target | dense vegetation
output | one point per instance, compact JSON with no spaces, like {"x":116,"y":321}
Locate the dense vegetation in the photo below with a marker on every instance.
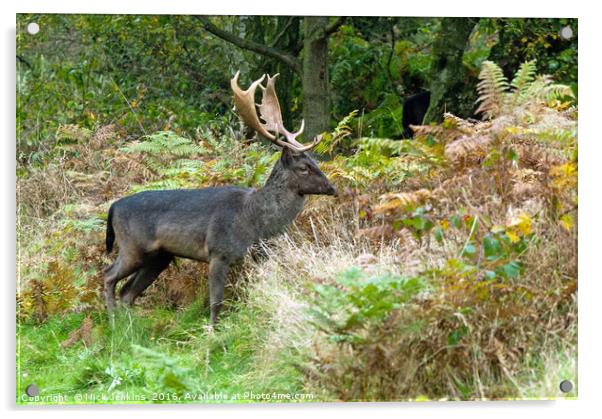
{"x":445,"y":269}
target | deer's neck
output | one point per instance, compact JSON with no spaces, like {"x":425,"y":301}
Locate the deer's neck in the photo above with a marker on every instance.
{"x":275,"y":206}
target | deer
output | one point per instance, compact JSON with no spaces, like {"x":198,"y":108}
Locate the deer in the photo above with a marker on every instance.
{"x":214,"y":225}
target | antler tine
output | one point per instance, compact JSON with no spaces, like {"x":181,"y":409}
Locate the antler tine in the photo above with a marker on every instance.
{"x":245,"y":104}
{"x":244,"y":101}
{"x":269,"y":111}
{"x":290,"y":136}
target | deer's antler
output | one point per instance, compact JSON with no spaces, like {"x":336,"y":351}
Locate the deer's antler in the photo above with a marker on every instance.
{"x":269,"y":111}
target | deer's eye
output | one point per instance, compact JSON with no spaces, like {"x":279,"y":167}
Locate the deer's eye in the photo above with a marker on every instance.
{"x":304,"y":170}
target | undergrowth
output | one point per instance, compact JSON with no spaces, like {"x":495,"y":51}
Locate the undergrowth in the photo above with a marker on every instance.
{"x":445,"y":269}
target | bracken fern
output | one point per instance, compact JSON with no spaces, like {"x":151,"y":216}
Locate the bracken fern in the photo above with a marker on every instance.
{"x":492,"y":90}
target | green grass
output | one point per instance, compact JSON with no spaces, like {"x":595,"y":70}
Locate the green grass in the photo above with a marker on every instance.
{"x":156,"y":355}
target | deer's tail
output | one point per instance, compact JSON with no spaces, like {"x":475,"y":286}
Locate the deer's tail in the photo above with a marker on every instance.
{"x":110,"y":231}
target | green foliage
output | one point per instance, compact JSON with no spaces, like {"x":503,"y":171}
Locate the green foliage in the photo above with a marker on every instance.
{"x":159,"y":73}
{"x":164,"y":143}
{"x":497,"y":253}
{"x":157,"y":356}
{"x":386,"y":119}
{"x":524,"y":77}
{"x":482,"y":40}
{"x":166,"y":148}
{"x":336,"y":139}
{"x":521,"y":40}
{"x":419,"y":222}
{"x":72,"y":133}
{"x":162,"y":147}
{"x":170,"y":376}
{"x":144,"y":73}
{"x":351,"y":308}
{"x":375,"y":62}
{"x":384,"y":160}
{"x":495,"y":95}
{"x":355,"y":61}
{"x":545,"y":90}
{"x":180,"y":163}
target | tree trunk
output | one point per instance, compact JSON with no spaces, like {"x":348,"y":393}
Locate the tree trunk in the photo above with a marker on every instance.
{"x":448,"y":75}
{"x":316,"y":98}
{"x":288,"y":77}
{"x":262,"y":30}
{"x":313,"y":69}
{"x":255,"y":32}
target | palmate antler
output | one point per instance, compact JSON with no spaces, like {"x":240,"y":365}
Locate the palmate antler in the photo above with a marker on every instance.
{"x":269,"y":111}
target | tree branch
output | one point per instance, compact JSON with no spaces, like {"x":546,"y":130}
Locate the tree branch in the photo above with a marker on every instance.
{"x":335,"y":25}
{"x":330,"y":29}
{"x":277,"y":38}
{"x":268,"y":51}
{"x":390,"y":58}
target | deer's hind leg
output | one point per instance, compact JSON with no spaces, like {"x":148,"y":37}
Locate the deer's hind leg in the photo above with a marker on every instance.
{"x":144,"y":278}
{"x":123,"y":267}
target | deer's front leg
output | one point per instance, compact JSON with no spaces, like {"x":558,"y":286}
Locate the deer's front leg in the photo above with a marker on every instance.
{"x":218,"y":272}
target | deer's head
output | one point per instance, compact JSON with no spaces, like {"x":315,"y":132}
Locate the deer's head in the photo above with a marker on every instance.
{"x":301,"y":171}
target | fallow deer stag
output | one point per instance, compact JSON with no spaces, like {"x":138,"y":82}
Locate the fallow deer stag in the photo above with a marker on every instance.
{"x":214,"y":225}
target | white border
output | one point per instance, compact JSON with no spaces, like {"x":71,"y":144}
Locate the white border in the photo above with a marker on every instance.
{"x":590,"y":212}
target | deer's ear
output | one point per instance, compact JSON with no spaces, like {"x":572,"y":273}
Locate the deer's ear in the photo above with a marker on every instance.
{"x":287,"y":157}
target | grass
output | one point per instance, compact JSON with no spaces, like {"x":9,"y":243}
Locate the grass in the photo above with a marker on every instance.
{"x":266,"y":345}
{"x":153,"y":355}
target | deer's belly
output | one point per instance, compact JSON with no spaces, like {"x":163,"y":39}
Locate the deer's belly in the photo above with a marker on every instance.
{"x":190,"y":248}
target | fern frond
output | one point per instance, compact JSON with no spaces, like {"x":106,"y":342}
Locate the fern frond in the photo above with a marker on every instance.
{"x":543,"y":89}
{"x":185,"y":150}
{"x":445,"y":133}
{"x":142,"y":147}
{"x":102,"y":136}
{"x":427,"y":130}
{"x":557,"y":91}
{"x":164,"y":143}
{"x":535,"y":155}
{"x":342,"y":131}
{"x":536,"y":88}
{"x":450,"y":118}
{"x":134,"y":168}
{"x":72,"y":132}
{"x":380,"y":146}
{"x":467,"y":148}
{"x":524,"y":77}
{"x":492,"y":89}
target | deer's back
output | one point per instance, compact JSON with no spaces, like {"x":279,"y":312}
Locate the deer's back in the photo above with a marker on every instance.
{"x":185,"y":222}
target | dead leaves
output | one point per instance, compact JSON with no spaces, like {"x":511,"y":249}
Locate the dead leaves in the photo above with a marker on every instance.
{"x":82,"y":333}
{"x":385,"y":232}
{"x":393,"y":202}
{"x":519,"y":225}
{"x":468,"y":149}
